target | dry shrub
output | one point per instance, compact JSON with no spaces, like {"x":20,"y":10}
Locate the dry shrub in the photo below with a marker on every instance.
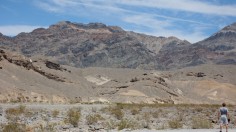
{"x":14,"y":127}
{"x":146,"y":116}
{"x":200,"y":123}
{"x":155,"y":114}
{"x":92,"y":119}
{"x":55,"y":113}
{"x":21,"y":109}
{"x":199,"y":109}
{"x":124,"y":123}
{"x":175,"y":124}
{"x":73,"y":116}
{"x":118,"y":113}
{"x":134,"y":111}
{"x":50,"y":127}
{"x":111,"y":124}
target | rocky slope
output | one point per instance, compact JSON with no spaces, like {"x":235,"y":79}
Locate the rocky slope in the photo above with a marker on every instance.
{"x":26,"y":80}
{"x":91,"y":45}
{"x":223,"y":44}
{"x":217,"y":49}
{"x":98,"y":45}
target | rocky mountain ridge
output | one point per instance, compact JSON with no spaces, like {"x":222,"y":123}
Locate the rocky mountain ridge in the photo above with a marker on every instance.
{"x":98,"y":45}
{"x":217,"y":49}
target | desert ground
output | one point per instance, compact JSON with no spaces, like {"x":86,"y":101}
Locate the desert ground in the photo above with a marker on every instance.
{"x":40,"y":117}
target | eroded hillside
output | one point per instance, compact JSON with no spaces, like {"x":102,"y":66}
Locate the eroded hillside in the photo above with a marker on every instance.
{"x":29,"y":80}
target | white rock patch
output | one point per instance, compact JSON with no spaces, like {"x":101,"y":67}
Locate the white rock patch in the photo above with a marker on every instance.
{"x":98,"y":80}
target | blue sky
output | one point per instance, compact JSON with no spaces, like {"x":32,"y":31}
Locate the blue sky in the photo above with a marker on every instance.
{"x":192,"y":20}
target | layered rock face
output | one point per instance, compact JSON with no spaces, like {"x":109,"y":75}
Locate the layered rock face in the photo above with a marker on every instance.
{"x":90,"y":45}
{"x":222,"y":45}
{"x":217,"y":49}
{"x":98,"y":45}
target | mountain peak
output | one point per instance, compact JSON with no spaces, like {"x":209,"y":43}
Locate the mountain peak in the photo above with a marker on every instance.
{"x":67,"y":24}
{"x":97,"y":26}
{"x":231,"y":28}
{"x":63,"y":23}
{"x":228,"y":32}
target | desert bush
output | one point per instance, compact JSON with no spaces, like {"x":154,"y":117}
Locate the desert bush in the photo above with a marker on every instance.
{"x":145,"y":124}
{"x":180,"y":117}
{"x":147,"y":116}
{"x":200,"y":123}
{"x":29,"y":113}
{"x":55,"y":113}
{"x":73,"y":116}
{"x":155,"y":114}
{"x":92,"y":119}
{"x":175,"y":124}
{"x":16,"y":111}
{"x":124,"y":123}
{"x":118,"y":113}
{"x":50,"y":127}
{"x":111,"y":124}
{"x":199,"y":109}
{"x":14,"y":127}
{"x":121,"y":105}
{"x":134,"y":111}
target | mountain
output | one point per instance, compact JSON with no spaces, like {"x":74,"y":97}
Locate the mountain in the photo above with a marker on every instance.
{"x":219,"y":48}
{"x":222,"y":45}
{"x":99,"y":45}
{"x":90,"y":45}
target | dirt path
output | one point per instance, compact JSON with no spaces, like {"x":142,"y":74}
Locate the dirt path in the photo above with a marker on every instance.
{"x":53,"y":106}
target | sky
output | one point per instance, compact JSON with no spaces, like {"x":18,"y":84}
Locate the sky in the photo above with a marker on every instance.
{"x":191,"y":20}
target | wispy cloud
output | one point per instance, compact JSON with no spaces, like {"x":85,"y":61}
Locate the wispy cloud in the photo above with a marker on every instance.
{"x":102,"y":6}
{"x":64,"y":3}
{"x":49,"y":7}
{"x":164,"y":28}
{"x":185,"y":5}
{"x":129,"y":12}
{"x":12,"y":30}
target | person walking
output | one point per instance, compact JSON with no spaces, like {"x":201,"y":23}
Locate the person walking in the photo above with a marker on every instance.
{"x":223,"y":116}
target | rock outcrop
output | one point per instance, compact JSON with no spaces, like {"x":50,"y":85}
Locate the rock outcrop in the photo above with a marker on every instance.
{"x":28,"y":64}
